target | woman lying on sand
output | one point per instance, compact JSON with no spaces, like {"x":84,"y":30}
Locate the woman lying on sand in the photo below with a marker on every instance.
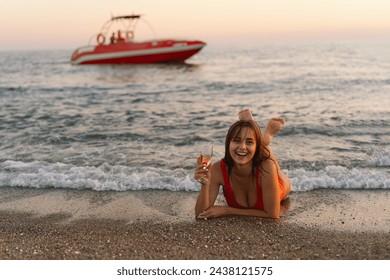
{"x":253,"y":184}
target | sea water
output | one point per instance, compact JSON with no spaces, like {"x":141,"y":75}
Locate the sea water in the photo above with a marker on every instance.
{"x":133,"y":127}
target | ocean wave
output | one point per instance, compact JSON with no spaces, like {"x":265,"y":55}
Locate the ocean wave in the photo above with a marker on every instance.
{"x":338,"y":177}
{"x":106,"y":177}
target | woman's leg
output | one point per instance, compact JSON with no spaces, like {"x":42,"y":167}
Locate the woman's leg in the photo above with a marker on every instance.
{"x":274,"y":126}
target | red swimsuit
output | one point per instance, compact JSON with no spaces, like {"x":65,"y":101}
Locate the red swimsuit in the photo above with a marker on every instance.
{"x":229,"y":196}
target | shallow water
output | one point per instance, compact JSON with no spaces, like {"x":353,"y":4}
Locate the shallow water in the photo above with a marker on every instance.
{"x":132,"y":127}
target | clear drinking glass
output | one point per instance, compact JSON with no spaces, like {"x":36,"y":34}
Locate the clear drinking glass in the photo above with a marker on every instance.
{"x":206,"y":154}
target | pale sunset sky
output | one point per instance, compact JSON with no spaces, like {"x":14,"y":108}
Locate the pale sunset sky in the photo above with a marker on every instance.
{"x":68,"y":24}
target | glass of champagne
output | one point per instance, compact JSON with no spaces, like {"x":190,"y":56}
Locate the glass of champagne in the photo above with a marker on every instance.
{"x":206,"y":154}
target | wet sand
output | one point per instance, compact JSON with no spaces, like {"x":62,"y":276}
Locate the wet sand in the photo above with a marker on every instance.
{"x":73,"y":224}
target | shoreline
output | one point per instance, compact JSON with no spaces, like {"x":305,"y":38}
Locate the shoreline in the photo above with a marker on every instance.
{"x":57,"y":224}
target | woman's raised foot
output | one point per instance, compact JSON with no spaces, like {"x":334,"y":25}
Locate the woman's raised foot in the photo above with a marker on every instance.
{"x":273,"y":126}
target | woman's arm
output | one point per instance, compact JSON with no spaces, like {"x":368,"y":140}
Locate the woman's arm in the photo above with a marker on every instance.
{"x":270,"y":188}
{"x":208,"y":177}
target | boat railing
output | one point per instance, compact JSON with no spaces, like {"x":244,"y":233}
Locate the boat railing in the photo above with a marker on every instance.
{"x":93,"y":39}
{"x":126,"y":29}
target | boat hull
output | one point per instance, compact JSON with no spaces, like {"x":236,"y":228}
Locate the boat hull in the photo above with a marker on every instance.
{"x":137,"y":53}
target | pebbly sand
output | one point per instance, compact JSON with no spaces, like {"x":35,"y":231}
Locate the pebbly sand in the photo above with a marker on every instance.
{"x":74,"y":224}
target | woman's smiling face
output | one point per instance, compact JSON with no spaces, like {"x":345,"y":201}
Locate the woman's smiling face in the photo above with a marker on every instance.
{"x":242,"y":148}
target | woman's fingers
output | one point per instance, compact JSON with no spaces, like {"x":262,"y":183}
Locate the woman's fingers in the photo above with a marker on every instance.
{"x":202,"y":174}
{"x":212,"y":212}
{"x":203,"y":215}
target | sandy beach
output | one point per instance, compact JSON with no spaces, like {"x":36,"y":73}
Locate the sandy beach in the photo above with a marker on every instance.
{"x":71,"y":224}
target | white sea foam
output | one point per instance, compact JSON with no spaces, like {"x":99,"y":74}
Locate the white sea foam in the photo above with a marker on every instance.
{"x":338,"y":177}
{"x":382,"y":159}
{"x":121,"y":178}
{"x":101,"y":178}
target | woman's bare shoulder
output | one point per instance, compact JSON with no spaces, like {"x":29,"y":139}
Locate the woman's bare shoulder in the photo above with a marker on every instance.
{"x":216,"y":171}
{"x":269,"y":166}
{"x":269,"y":175}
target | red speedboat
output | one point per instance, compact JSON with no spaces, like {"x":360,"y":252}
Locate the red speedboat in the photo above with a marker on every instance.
{"x":119,"y":46}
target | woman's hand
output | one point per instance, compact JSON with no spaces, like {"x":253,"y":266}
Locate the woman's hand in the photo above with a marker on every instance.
{"x":214,"y":211}
{"x":202,"y":172}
